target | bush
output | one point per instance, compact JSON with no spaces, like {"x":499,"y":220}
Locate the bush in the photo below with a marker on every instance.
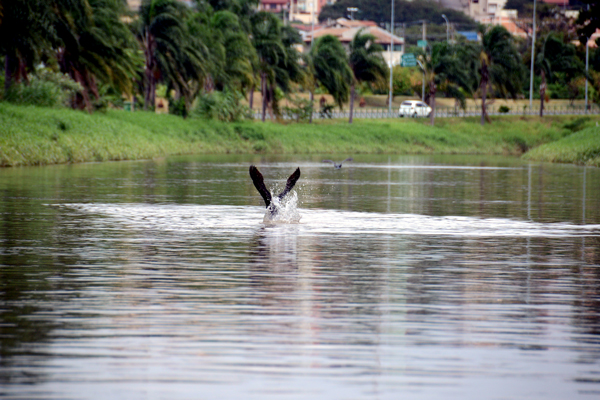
{"x":577,"y":124}
{"x":300,"y":110}
{"x":178,"y":107}
{"x":46,"y":89}
{"x":224,"y":106}
{"x":404,"y":82}
{"x":504,"y":109}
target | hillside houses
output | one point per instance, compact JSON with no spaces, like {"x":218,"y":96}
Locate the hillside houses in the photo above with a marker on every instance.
{"x":345,"y":30}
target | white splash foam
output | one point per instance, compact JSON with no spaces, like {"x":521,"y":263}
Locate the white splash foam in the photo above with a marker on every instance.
{"x":235,"y":221}
{"x":286,"y":210}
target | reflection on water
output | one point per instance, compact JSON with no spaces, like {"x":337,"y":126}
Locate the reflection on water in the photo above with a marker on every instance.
{"x":416,"y":277}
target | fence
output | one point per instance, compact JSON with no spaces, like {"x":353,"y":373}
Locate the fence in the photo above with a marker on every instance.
{"x":445,"y":112}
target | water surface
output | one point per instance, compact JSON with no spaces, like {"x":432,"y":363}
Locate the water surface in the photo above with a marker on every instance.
{"x":418,"y":277}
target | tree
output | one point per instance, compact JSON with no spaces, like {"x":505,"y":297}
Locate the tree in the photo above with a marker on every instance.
{"x":266,"y":39}
{"x":543,"y":67}
{"x":525,"y":8}
{"x":94,"y":46}
{"x":445,"y":69}
{"x":330,"y":67}
{"x":556,"y":57}
{"x":288,"y":70}
{"x":404,"y":11}
{"x":25,"y":30}
{"x":171,"y":53}
{"x":238,"y":53}
{"x":589,"y":19}
{"x":500,"y":67}
{"x":366,"y":63}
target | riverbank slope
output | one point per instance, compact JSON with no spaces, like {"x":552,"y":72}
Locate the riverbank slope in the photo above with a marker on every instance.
{"x":39,"y":136}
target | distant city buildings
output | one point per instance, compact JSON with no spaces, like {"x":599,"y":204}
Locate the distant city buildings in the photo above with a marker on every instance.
{"x":134,"y":4}
{"x":306,"y":12}
{"x":345,"y":30}
{"x":274,"y":6}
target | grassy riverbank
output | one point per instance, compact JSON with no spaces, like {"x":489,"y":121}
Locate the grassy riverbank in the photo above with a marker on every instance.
{"x":579,"y":148}
{"x":37,"y":136}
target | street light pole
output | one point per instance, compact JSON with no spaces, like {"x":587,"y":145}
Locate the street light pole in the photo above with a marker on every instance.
{"x":423,"y":89}
{"x":587,"y":63}
{"x":391,"y":60}
{"x":447,"y":28}
{"x":532,"y":60}
{"x":352,"y":10}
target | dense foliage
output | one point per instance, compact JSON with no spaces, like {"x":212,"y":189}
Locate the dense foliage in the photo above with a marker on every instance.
{"x":404,"y":12}
{"x":87,"y":54}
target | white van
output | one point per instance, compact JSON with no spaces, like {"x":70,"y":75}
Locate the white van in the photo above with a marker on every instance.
{"x":414,"y":108}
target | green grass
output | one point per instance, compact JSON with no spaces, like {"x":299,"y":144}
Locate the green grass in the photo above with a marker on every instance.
{"x":37,"y":136}
{"x":582,"y":147}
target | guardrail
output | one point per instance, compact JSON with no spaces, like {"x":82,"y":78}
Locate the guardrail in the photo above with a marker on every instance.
{"x":446,"y":112}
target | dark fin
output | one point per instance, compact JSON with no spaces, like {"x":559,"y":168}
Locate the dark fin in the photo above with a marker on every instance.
{"x":259,"y":184}
{"x":290,"y":183}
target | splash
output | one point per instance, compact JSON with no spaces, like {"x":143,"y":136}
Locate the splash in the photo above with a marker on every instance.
{"x":283,"y":211}
{"x":237,"y":221}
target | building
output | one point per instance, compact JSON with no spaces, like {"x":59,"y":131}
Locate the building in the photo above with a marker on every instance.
{"x":134,"y":4}
{"x":506,"y":18}
{"x":479,"y":10}
{"x":345,"y":30}
{"x":274,"y":6}
{"x":307,"y":11}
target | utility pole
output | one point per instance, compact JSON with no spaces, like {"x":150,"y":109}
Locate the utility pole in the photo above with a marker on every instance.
{"x":587,"y":64}
{"x":391,"y":60}
{"x":424,"y":30}
{"x":447,"y":28}
{"x":352,"y":11}
{"x":423,"y":89}
{"x":312,"y":19}
{"x":532,"y":60}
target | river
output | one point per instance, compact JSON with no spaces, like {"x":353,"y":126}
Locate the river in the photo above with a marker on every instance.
{"x":423,"y":277}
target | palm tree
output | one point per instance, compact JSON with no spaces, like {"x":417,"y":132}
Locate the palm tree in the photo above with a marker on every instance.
{"x":445,"y":69}
{"x":366,"y":62}
{"x":329,"y":65}
{"x":500,"y":66}
{"x":266,"y":39}
{"x":288,"y":70}
{"x":25,"y":30}
{"x":556,"y":56}
{"x":237,"y":50}
{"x":185,"y":68}
{"x":170,"y":52}
{"x":543,"y":67}
{"x":94,"y":46}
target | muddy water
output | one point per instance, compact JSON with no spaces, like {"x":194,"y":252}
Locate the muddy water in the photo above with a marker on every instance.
{"x":420,"y":277}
